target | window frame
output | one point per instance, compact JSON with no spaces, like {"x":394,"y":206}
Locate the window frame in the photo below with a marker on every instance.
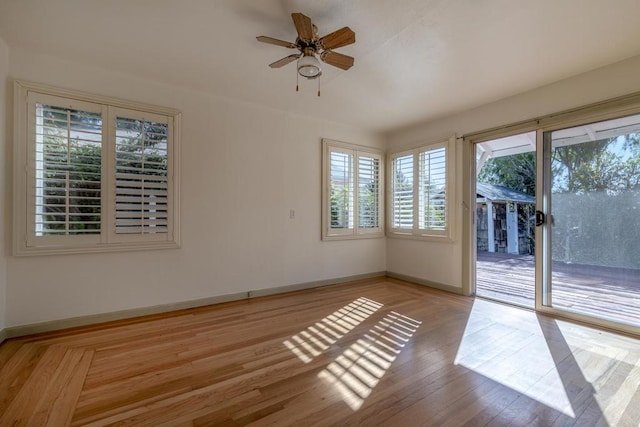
{"x":433,"y":234}
{"x":25,"y":241}
{"x":356,"y":151}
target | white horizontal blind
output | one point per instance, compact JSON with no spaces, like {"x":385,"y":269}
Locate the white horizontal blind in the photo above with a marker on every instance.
{"x":141,"y":176}
{"x":432,"y":184}
{"x":341,"y":193}
{"x":402,"y":192}
{"x":368,"y":191}
{"x":67,"y":157}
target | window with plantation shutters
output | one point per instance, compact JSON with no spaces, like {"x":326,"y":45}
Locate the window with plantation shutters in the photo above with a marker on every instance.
{"x":92,"y":173}
{"x":420,"y":192}
{"x":352,"y":193}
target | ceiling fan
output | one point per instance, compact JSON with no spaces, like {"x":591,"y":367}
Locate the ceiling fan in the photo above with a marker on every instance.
{"x":311,"y":47}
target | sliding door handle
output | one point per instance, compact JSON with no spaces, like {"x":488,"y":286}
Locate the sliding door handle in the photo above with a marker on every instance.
{"x":540,"y":218}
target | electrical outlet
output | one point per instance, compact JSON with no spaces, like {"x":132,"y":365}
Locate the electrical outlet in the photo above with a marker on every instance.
{"x":292,"y":214}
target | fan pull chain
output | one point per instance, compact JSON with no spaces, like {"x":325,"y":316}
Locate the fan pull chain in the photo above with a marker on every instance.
{"x":297,"y":78}
{"x":318,"y":85}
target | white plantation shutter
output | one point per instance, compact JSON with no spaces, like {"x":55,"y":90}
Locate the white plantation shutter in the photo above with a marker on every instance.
{"x":432,"y":194}
{"x":352,"y":193}
{"x":65,"y":189}
{"x":141,"y":190}
{"x":341,"y":189}
{"x":368,"y":191}
{"x":402,"y":191}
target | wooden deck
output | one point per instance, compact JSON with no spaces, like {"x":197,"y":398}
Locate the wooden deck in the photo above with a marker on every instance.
{"x":612,"y":293}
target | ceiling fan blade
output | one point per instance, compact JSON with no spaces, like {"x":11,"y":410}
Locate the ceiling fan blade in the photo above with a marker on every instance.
{"x":303,"y":26}
{"x":337,"y":59}
{"x":284,"y":61}
{"x":270,"y":40}
{"x":342,"y":37}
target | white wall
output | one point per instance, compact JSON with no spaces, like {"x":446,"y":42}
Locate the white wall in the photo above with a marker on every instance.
{"x":243,"y":168}
{"x":442,"y":262}
{"x":4,"y":175}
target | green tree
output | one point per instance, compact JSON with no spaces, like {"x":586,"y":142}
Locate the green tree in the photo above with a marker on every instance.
{"x":339,"y":200}
{"x":74,"y":171}
{"x":603,"y":165}
{"x":71,"y":187}
{"x":368,"y":206}
{"x":403,"y":200}
{"x":592,"y":166}
{"x":517,"y":171}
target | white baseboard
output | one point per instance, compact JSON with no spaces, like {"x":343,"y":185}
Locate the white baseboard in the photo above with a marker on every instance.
{"x":423,"y":282}
{"x":316,"y":284}
{"x":54,"y":325}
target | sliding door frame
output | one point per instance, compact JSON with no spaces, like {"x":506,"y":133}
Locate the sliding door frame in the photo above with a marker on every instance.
{"x":601,"y":111}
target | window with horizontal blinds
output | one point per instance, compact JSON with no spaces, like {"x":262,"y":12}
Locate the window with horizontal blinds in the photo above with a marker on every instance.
{"x":432,"y":195}
{"x":67,"y":167}
{"x":92,"y":173}
{"x":419,"y":192}
{"x":141,"y":190}
{"x":352,"y":193}
{"x":368,"y":191}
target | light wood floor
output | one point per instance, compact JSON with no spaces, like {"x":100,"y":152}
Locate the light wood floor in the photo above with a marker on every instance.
{"x":377,"y":352}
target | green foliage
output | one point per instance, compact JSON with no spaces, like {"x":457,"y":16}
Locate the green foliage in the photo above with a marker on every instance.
{"x":72,"y":183}
{"x":368,"y":206}
{"x":71,"y":187}
{"x":340,"y":200}
{"x":597,"y":166}
{"x":153,"y":132}
{"x":403,"y":199}
{"x":517,"y":172}
{"x":592,"y":166}
{"x":339,"y":206}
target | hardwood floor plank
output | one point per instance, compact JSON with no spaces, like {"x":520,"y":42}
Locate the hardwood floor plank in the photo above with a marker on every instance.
{"x":59,"y":399}
{"x":7,"y":351}
{"x":375,"y":352}
{"x":17,"y":370}
{"x":81,"y":419}
{"x":32,"y":393}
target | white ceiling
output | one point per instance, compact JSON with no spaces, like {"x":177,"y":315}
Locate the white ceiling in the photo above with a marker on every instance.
{"x":416,"y":60}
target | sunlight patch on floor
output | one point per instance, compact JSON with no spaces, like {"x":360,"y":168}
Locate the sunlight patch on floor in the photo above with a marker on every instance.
{"x":585,"y":344}
{"x":488,"y":349}
{"x":313,"y":341}
{"x":360,"y":367}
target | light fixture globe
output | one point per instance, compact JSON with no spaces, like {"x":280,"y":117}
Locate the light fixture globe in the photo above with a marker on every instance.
{"x":309,"y":66}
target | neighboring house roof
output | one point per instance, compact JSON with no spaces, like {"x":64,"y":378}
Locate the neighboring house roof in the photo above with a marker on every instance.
{"x":500,"y":193}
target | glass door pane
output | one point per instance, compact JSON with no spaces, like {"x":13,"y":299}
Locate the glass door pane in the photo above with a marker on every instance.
{"x":505,"y":205}
{"x":593,"y":227}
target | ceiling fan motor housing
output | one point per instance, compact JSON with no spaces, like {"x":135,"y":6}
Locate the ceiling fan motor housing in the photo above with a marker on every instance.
{"x":308,"y":64}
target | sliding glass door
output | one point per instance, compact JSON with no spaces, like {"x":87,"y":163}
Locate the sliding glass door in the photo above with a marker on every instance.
{"x":591,"y":233}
